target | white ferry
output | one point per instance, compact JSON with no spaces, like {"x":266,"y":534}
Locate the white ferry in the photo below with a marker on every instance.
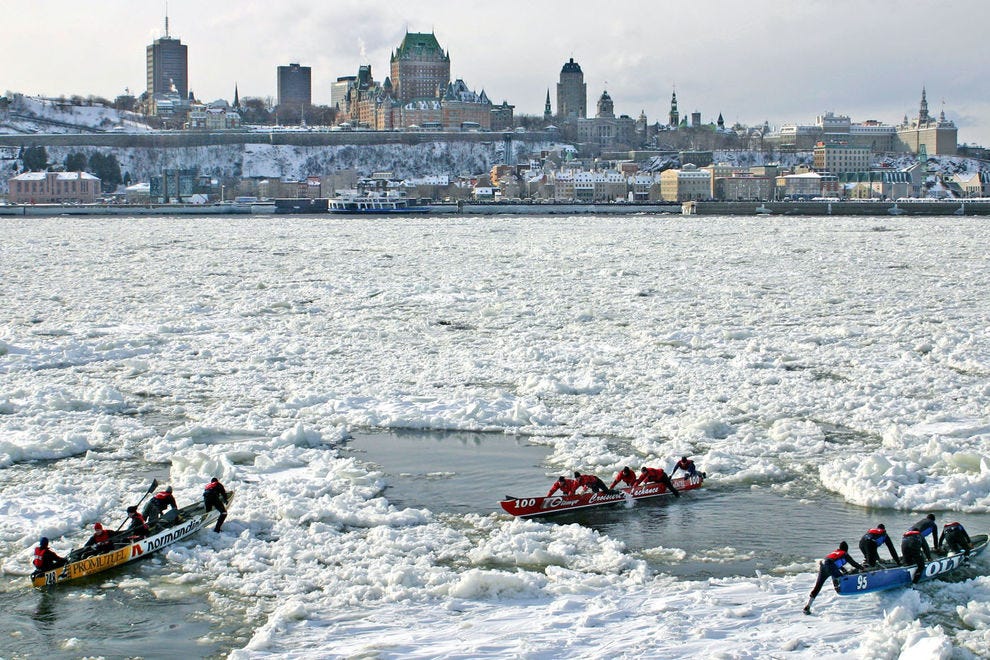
{"x":356,"y":204}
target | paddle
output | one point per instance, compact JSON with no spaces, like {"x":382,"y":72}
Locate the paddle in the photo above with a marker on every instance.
{"x":152,"y":487}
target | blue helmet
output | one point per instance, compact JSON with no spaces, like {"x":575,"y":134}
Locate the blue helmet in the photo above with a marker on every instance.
{"x":43,"y":542}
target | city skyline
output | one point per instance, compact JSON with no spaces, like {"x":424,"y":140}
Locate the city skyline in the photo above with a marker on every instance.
{"x":738,"y":59}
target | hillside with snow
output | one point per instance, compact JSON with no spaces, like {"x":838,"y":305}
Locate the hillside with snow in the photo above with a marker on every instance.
{"x":294,"y":162}
{"x":27,"y":115}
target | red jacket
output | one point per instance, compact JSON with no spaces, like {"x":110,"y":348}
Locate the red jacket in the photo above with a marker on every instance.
{"x":165,"y":500}
{"x":45,"y":558}
{"x":566,"y":487}
{"x":588,"y":480}
{"x":652,"y":476}
{"x":138,"y":525}
{"x":627,"y":477}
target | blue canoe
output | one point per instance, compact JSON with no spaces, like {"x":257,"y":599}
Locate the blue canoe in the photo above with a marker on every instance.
{"x":891,"y":576}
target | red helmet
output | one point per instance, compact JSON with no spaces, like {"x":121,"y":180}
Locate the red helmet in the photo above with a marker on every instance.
{"x":97,"y":526}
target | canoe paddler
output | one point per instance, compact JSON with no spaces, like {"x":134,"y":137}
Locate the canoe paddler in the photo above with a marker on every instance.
{"x":564,"y":485}
{"x":591,"y":482}
{"x":626,"y":476}
{"x":158,"y":505}
{"x":650,"y":475}
{"x":871,"y":542}
{"x":139,"y":528}
{"x":215,"y":497}
{"x":45,"y":558}
{"x":831,"y":567}
{"x":100,"y":540}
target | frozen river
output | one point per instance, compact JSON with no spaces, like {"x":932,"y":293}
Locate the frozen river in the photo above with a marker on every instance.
{"x":826,"y":373}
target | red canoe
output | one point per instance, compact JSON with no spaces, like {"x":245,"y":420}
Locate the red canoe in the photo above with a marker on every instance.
{"x":530,"y":507}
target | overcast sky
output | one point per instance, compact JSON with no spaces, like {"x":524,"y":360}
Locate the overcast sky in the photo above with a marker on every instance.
{"x":751,"y":60}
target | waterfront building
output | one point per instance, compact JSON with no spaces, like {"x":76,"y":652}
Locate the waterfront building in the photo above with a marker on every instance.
{"x":807,"y":185}
{"x":972,"y":184}
{"x":876,"y":184}
{"x":572,"y":92}
{"x":743,"y":186}
{"x":719,"y":171}
{"x":686,"y":184}
{"x":295,"y":85}
{"x":53,"y":188}
{"x":644,"y":187}
{"x":838,"y":158}
{"x":599,"y":186}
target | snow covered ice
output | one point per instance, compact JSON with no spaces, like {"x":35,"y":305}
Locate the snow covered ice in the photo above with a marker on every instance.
{"x":795,"y":354}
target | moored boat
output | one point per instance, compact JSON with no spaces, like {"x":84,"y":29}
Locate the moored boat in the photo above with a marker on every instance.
{"x":355,"y":204}
{"x":531,"y":507}
{"x":171,"y":528}
{"x":888,"y":576}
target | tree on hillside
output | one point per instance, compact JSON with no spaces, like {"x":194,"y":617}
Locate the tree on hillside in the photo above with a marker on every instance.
{"x":75,"y":162}
{"x":34,"y":159}
{"x":107,"y":168}
{"x":254,"y":111}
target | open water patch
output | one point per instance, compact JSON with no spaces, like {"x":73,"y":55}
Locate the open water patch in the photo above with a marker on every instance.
{"x":452,"y":472}
{"x":718,"y":531}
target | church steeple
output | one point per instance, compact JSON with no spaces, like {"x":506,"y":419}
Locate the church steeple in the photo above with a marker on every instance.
{"x":923,"y":115}
{"x":547,"y":112}
{"x":237,"y":99}
{"x":675,"y":116}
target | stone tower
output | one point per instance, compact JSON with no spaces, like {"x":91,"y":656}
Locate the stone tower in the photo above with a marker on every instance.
{"x":572,"y":92}
{"x":606,"y":109}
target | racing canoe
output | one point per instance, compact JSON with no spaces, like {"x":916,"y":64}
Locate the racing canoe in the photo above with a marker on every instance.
{"x":891,"y":576}
{"x":531,"y":507}
{"x":171,"y":528}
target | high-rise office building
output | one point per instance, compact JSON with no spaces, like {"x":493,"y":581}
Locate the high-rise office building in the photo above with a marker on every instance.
{"x":295,"y":85}
{"x":168,"y":66}
{"x":420,"y":68}
{"x":572,"y":92}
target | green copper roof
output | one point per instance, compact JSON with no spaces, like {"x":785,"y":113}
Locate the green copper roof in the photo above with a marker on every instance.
{"x":417,"y":44}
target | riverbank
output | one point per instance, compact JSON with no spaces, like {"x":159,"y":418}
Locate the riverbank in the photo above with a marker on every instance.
{"x":854,"y":208}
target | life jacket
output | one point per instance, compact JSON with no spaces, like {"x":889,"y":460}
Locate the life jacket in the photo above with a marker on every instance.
{"x":838,"y":558}
{"x":952,"y":526}
{"x":102,"y":536}
{"x":877,"y":535}
{"x":163,"y":498}
{"x":912,"y":532}
{"x":587,"y":480}
{"x":210,"y":487}
{"x":655,"y":474}
{"x":566,"y":487}
{"x":685,"y":464}
{"x":39,"y":557}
